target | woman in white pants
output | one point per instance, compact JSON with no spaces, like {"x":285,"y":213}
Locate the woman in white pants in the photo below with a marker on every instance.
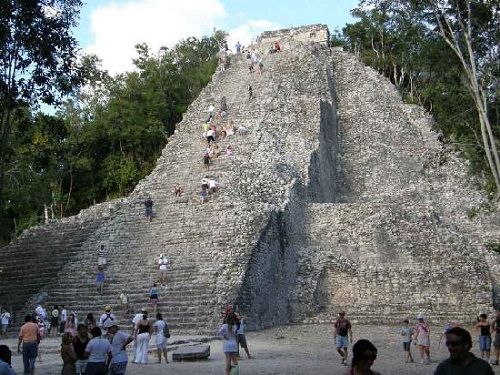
{"x":143,"y":332}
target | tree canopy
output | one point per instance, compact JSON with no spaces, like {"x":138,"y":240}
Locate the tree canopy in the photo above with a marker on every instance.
{"x":443,"y":55}
{"x":106,"y":136}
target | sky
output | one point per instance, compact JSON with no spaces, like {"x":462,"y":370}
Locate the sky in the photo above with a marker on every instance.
{"x":111,"y":28}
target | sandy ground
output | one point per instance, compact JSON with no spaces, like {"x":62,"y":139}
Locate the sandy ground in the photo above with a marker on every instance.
{"x":290,"y":350}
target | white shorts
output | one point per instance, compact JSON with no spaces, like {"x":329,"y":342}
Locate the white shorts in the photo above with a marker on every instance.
{"x":162,"y":345}
{"x":101,"y":261}
{"x":423,"y":341}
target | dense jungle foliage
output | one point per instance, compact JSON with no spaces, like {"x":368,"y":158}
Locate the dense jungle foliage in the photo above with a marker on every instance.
{"x":108,"y":131}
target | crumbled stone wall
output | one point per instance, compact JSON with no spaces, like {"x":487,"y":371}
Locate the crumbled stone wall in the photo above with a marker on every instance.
{"x":35,"y":258}
{"x":388,"y":259}
{"x":305,"y":34}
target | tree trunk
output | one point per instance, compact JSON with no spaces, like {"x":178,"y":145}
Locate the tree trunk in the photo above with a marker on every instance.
{"x":467,"y":59}
{"x":4,"y":135}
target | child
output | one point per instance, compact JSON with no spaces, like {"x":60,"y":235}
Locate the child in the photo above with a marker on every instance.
{"x":250,"y":92}
{"x":407,"y":333}
{"x":229,"y":151}
{"x":241,"y":339}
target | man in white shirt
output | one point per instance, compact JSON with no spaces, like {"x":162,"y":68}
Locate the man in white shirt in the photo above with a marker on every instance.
{"x":212,"y":186}
{"x":101,"y":256}
{"x":163,"y":263}
{"x":119,"y":342}
{"x":106,"y":317}
{"x":5,"y":321}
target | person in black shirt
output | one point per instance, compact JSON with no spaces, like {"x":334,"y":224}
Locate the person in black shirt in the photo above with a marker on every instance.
{"x":80,"y":342}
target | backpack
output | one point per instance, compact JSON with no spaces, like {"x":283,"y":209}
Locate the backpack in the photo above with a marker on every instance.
{"x":166,"y":331}
{"x":108,"y":316}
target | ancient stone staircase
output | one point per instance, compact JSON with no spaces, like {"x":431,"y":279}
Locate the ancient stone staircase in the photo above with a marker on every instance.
{"x":209,"y":245}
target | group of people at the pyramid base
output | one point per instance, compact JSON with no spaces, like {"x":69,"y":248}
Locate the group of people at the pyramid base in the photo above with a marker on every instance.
{"x":91,"y":349}
{"x":457,"y":339}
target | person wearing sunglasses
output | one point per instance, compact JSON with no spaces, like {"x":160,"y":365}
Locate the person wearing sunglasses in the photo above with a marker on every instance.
{"x":364,"y":354}
{"x":461,"y":360}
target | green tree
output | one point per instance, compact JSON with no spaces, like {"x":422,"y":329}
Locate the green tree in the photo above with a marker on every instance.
{"x":444,"y":55}
{"x":37,"y":56}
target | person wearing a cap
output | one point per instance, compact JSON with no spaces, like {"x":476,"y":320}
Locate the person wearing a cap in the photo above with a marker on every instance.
{"x":422,"y":339}
{"x":342,"y":329}
{"x":120,"y":340}
{"x":107,"y":316}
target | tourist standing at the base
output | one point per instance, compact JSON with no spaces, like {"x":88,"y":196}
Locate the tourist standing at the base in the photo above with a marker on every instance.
{"x":461,"y":361}
{"x":119,"y":342}
{"x":241,"y":338}
{"x":5,"y":320}
{"x":229,"y":344}
{"x":422,"y":339}
{"x":341,"y":335}
{"x":79,"y":344}
{"x":98,"y":349}
{"x":143,"y":332}
{"x":29,"y":337}
{"x":54,"y":321}
{"x":407,"y":333}
{"x":162,"y":334}
{"x":62,"y":320}
{"x":483,"y":326}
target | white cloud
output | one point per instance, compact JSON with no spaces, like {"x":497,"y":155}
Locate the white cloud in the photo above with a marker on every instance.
{"x":118,"y":27}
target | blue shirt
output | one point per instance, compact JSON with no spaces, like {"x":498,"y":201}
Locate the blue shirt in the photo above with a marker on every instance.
{"x":100,"y":277}
{"x":5,"y":369}
{"x":98,"y":348}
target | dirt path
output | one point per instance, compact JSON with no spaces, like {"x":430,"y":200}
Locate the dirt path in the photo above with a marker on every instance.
{"x":289,"y":350}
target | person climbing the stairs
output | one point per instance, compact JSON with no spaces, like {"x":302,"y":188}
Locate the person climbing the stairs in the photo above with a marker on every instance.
{"x":99,"y":280}
{"x":163,"y":265}
{"x":101,"y":256}
{"x":153,"y":296}
{"x":148,"y":204}
{"x":107,"y":316}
